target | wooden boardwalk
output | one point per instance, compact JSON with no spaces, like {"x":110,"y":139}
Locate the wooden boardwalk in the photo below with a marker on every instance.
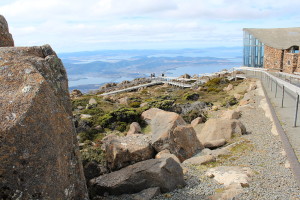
{"x":154,"y":82}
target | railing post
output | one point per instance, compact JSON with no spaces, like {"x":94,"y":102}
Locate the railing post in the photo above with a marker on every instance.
{"x":282,"y":96}
{"x":276,"y":89}
{"x":271,"y":83}
{"x":296,"y":113}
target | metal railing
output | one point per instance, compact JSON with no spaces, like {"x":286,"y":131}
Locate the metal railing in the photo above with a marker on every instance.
{"x":274,"y":82}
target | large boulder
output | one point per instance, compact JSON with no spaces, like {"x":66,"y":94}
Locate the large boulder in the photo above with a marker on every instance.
{"x":164,"y":173}
{"x":39,"y":151}
{"x":124,"y":151}
{"x":216,"y":131}
{"x":170,"y":131}
{"x":6,"y":39}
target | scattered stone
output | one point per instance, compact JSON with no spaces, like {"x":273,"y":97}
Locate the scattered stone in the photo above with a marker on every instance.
{"x":92,"y":101}
{"x":252,"y":86}
{"x":6,"y":39}
{"x":39,"y":150}
{"x":200,"y":160}
{"x":215,"y":108}
{"x":231,"y":114}
{"x":287,"y":164}
{"x":228,"y":88}
{"x":85,"y":116}
{"x":135,"y":128}
{"x":230,"y":175}
{"x":164,"y":173}
{"x":124,"y":100}
{"x":244,"y":102}
{"x":238,"y":96}
{"x":80,"y":107}
{"x":196,"y":121}
{"x":124,"y":151}
{"x":144,"y":104}
{"x":220,"y":129}
{"x":166,"y":154}
{"x":75,"y":94}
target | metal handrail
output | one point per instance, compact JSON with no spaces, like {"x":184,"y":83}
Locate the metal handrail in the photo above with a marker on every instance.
{"x":278,"y":81}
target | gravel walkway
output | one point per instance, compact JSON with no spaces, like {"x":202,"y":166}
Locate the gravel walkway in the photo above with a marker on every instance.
{"x":272,"y":180}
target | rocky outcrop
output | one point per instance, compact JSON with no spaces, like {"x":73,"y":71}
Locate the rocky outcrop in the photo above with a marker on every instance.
{"x":170,"y":131}
{"x":39,"y":156}
{"x":217,"y":131}
{"x":124,"y":151}
{"x":6,"y":39}
{"x":163,"y":173}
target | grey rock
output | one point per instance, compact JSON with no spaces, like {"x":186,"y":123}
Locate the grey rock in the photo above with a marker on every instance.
{"x":163,"y":173}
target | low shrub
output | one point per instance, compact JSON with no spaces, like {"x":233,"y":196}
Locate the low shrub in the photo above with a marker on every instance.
{"x":229,"y":101}
{"x":120,"y":118}
{"x":189,"y":117}
{"x":80,"y":102}
{"x":93,"y":153}
{"x":213,"y":89}
{"x":90,"y":134}
{"x":191,"y":96}
{"x":163,"y":104}
{"x":135,"y":104}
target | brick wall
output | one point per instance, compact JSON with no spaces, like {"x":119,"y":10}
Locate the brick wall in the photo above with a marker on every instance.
{"x":272,"y":58}
{"x":290,"y":61}
{"x":298,"y":66}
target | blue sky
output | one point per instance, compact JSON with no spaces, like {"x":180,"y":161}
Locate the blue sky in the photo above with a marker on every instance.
{"x":77,"y":25}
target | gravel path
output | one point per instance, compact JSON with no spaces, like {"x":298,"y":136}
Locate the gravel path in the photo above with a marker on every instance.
{"x":272,"y":180}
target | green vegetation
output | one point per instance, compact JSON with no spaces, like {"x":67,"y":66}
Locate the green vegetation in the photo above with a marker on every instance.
{"x":92,"y":153}
{"x":193,"y":115}
{"x":191,"y":96}
{"x":230,"y":101}
{"x":119,"y":119}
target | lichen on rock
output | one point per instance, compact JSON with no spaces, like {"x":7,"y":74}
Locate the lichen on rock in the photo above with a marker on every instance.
{"x":39,"y":151}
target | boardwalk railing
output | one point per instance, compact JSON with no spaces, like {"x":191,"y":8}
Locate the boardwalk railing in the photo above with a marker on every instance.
{"x":275,"y":82}
{"x":155,"y":81}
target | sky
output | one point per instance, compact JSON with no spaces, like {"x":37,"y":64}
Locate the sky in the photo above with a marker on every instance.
{"x":87,"y":25}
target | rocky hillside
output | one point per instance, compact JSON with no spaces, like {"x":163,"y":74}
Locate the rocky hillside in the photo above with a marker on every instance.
{"x":209,"y":142}
{"x":123,"y":133}
{"x":39,"y":155}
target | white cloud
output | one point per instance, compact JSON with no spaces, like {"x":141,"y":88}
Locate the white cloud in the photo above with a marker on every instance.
{"x":95,"y":24}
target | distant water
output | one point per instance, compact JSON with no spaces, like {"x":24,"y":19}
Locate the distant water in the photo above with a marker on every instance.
{"x":90,"y":80}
